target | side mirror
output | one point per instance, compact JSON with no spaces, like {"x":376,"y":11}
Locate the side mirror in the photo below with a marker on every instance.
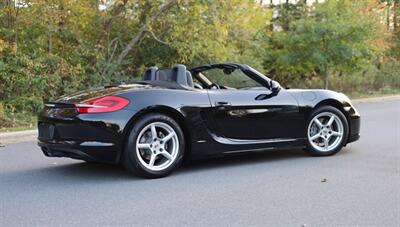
{"x":274,"y":86}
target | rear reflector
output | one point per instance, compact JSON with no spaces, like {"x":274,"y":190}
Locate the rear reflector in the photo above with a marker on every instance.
{"x":102,"y":105}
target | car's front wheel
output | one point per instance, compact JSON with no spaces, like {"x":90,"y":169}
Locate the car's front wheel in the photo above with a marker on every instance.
{"x":155,"y":146}
{"x":327,"y":131}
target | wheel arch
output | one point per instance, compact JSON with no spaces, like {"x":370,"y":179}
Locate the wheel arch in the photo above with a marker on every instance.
{"x":338,"y":105}
{"x":160,"y":109}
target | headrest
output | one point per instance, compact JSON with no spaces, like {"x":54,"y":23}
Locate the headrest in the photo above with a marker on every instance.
{"x":183,"y":77}
{"x":177,"y":74}
{"x":189,"y":79}
{"x":150,"y":74}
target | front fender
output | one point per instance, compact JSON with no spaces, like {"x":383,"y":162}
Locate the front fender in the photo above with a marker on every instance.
{"x":311,"y":99}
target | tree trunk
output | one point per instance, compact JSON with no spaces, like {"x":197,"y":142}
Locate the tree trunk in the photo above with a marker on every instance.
{"x":388,"y":4}
{"x":16,"y":28}
{"x":49,"y":41}
{"x":326,"y":78}
{"x":142,"y":30}
{"x":395,"y":14}
{"x":114,"y":15}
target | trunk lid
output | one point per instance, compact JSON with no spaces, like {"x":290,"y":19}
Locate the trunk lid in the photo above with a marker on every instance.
{"x":85,"y":95}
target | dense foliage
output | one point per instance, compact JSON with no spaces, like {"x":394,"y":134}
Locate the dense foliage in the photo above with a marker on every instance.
{"x":53,"y":47}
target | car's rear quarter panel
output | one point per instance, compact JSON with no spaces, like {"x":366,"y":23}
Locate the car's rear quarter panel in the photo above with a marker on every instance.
{"x":101,"y":136}
{"x":98,"y":136}
{"x":186,"y":106}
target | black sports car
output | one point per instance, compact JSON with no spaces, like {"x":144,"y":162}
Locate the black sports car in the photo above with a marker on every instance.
{"x":211,"y":110}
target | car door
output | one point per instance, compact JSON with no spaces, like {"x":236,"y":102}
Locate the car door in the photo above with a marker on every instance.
{"x":255,"y":114}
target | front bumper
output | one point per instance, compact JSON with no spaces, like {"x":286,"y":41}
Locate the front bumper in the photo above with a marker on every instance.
{"x":355,"y":123}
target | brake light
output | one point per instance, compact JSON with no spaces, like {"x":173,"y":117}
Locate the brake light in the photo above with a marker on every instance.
{"x":102,"y":105}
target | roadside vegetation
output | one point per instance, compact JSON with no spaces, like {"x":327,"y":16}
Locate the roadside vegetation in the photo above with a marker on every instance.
{"x":54,"y":47}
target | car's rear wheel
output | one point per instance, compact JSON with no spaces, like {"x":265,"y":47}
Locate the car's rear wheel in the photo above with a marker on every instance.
{"x":155,"y":146}
{"x":327,"y":131}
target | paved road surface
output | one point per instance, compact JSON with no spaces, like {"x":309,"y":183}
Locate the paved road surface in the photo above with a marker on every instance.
{"x":273,"y":188}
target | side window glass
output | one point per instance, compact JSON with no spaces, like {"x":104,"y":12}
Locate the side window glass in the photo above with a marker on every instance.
{"x":236,"y":79}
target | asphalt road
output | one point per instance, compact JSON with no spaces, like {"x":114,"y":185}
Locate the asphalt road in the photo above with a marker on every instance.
{"x":283,"y":188}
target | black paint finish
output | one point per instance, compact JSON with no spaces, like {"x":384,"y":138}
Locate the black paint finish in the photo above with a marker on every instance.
{"x":215,"y":121}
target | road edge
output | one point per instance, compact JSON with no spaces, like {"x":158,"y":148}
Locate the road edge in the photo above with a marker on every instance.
{"x":31,"y":135}
{"x":19,"y":136}
{"x":376,"y":99}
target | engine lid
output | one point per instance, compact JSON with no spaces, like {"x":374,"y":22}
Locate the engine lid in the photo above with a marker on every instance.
{"x":85,"y":95}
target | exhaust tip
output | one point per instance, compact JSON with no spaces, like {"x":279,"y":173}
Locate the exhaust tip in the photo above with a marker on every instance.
{"x":46,"y":151}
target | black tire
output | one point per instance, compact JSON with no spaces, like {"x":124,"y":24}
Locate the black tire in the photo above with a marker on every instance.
{"x":330,"y":109}
{"x":130,"y":159}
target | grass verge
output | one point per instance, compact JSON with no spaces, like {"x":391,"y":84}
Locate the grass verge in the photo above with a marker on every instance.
{"x":11,"y":122}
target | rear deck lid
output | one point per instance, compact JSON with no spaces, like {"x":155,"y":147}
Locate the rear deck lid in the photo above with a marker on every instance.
{"x":85,"y":95}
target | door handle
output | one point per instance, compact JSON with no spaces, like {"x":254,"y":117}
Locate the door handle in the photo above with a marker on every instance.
{"x":263,"y":97}
{"x":222,"y":103}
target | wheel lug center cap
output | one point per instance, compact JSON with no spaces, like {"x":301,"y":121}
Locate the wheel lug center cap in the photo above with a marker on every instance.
{"x":156,"y":144}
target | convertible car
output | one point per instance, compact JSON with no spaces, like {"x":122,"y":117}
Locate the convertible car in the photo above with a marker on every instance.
{"x":210,"y":110}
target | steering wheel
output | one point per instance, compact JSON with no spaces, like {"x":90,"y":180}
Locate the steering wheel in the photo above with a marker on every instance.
{"x":198,"y":86}
{"x":214,"y":86}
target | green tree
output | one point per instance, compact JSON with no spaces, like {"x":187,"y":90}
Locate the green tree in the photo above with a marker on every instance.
{"x":335,"y":38}
{"x":52,"y":47}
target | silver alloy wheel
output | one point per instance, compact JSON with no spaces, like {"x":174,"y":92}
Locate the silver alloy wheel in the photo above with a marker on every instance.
{"x":157,"y":146}
{"x":325,"y":132}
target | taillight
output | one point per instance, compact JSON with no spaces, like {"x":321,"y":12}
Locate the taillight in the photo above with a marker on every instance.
{"x":102,"y":105}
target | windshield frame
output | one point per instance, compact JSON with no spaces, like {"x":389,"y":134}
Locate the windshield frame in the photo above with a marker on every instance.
{"x":247,"y":70}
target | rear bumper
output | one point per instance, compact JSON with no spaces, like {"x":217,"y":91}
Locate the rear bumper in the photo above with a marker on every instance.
{"x":90,"y":137}
{"x":88,"y":151}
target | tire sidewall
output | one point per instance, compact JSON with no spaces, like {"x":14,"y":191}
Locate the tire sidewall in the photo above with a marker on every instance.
{"x":130,"y":158}
{"x":344,"y":121}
